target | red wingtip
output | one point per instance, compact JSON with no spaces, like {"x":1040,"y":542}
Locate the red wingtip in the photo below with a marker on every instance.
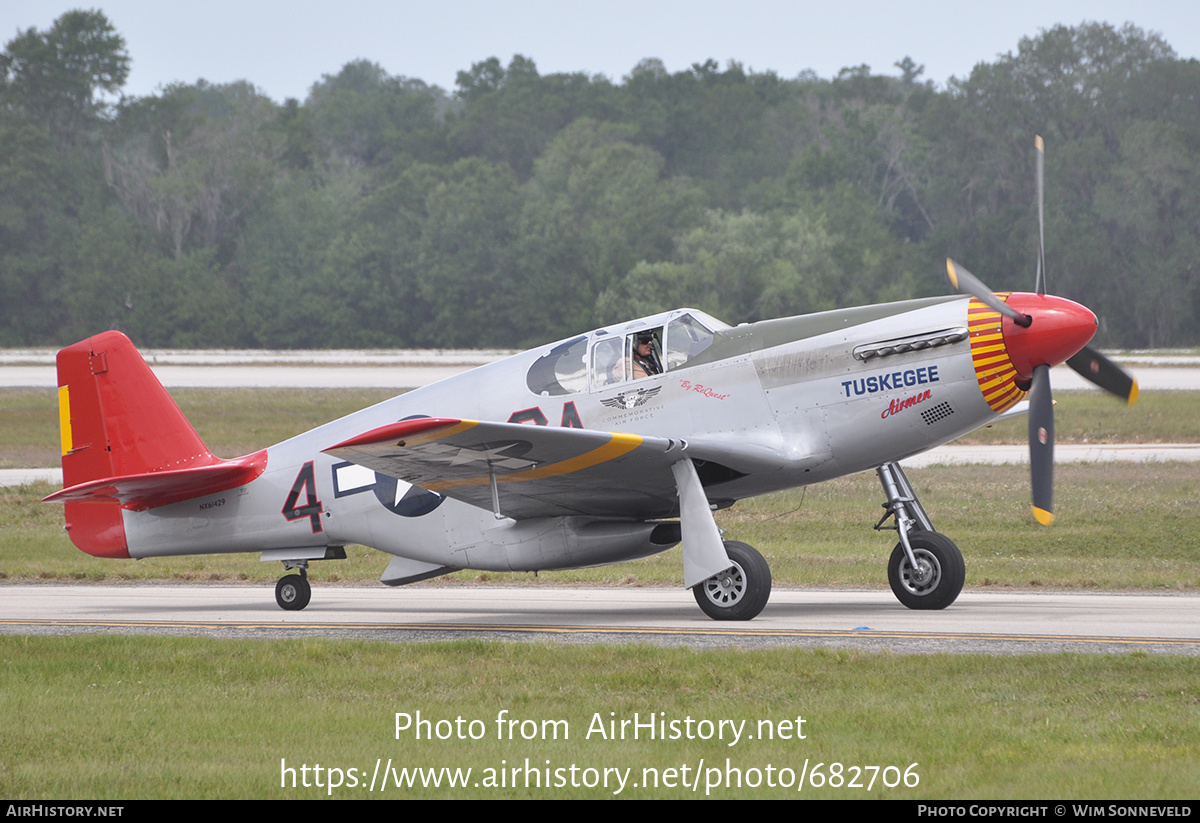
{"x":404,"y":430}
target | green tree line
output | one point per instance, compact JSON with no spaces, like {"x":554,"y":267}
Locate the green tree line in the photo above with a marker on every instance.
{"x":522,"y":207}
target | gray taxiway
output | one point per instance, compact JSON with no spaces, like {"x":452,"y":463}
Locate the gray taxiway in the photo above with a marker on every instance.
{"x":990,"y":622}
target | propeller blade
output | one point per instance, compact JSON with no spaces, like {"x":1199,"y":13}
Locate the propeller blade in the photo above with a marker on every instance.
{"x":1041,"y":445}
{"x":964,"y":281}
{"x":1092,"y":365}
{"x":1039,"y":283}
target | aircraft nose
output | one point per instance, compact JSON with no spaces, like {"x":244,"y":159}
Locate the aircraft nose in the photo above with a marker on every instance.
{"x":1059,"y":329}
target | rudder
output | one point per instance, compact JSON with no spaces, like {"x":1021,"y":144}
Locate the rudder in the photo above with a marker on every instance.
{"x":116,"y":420}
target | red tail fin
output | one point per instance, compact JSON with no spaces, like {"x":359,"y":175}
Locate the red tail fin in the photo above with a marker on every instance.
{"x":116,"y":417}
{"x":125,"y":442}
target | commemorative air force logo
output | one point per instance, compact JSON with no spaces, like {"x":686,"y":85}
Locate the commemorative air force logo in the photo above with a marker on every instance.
{"x":631,"y":399}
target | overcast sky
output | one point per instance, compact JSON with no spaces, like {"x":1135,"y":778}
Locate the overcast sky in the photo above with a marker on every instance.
{"x":284,"y":46}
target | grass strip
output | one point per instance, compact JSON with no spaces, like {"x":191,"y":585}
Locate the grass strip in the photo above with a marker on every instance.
{"x":111,"y":717}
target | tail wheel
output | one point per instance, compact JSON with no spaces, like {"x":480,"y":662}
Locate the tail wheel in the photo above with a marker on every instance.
{"x":292,"y":592}
{"x":936,"y":580}
{"x":740,"y":592}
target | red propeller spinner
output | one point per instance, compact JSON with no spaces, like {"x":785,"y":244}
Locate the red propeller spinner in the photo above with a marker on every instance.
{"x":1059,"y":328}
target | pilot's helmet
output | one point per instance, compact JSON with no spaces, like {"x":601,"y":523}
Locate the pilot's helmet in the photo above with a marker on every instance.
{"x":645,"y":337}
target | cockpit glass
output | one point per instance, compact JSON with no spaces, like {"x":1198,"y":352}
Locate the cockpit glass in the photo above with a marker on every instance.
{"x":686,"y":338}
{"x":562,"y":371}
{"x":616,"y":359}
{"x":608,"y":366}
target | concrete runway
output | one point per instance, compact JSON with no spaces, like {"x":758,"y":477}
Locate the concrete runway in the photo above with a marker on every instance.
{"x":988,"y":622}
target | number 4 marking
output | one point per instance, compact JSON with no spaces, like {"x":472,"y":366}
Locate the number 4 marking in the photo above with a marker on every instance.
{"x":306,"y":482}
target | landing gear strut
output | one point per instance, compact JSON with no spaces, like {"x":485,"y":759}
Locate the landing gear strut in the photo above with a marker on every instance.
{"x":926,"y":570}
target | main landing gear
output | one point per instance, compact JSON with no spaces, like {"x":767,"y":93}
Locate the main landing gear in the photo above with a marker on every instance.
{"x":293,"y":591}
{"x":926,"y":570}
{"x":740,"y":592}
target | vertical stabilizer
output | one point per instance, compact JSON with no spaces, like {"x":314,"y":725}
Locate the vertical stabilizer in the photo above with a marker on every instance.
{"x":116,"y":420}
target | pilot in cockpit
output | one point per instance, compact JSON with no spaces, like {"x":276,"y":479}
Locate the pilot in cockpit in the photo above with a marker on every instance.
{"x":644,"y":360}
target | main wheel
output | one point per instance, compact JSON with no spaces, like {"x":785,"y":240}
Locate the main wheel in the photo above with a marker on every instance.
{"x":740,"y":592}
{"x":292,"y":592}
{"x":938,"y":577}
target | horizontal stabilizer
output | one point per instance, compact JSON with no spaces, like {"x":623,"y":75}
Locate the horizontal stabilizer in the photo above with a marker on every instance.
{"x":153,"y":489}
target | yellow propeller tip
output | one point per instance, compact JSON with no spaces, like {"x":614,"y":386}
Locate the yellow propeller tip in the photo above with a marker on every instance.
{"x":1042,"y":516}
{"x":950,"y":271}
{"x":1037,"y":141}
{"x":1133,"y":393}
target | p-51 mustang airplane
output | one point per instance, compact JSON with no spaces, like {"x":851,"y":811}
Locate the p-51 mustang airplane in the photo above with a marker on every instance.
{"x":605,"y":447}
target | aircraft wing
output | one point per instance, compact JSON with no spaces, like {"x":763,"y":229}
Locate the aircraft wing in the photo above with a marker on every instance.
{"x":524,"y":471}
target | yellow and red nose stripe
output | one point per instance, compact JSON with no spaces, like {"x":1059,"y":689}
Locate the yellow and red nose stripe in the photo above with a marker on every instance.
{"x":993,"y":369}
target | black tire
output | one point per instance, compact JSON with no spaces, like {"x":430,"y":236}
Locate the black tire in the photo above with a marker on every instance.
{"x":941,"y":561}
{"x":739,"y":593}
{"x":292,"y":592}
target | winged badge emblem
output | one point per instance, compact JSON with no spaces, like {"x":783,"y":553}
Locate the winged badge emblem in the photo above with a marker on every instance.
{"x":631,"y":399}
